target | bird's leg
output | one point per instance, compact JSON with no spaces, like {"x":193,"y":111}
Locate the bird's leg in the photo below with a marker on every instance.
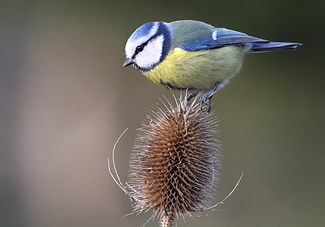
{"x":206,"y":98}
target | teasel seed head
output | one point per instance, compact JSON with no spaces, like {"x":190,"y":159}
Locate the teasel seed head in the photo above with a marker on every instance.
{"x":175,"y":161}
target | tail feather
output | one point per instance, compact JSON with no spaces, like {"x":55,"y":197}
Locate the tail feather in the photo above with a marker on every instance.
{"x":271,"y":46}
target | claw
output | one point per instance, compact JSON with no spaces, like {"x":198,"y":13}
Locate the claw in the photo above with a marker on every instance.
{"x":206,"y":98}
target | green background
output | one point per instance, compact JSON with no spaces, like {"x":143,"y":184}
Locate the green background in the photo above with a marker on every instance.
{"x":65,"y":98}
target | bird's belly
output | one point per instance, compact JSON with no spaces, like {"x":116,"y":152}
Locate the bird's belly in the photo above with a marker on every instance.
{"x":199,"y":70}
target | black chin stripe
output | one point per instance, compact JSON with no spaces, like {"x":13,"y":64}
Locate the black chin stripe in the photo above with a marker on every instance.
{"x":141,"y":69}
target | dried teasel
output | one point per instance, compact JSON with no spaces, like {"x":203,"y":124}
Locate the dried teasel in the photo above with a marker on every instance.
{"x":175,"y":162}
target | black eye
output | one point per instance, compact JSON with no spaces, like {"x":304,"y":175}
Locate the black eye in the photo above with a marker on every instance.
{"x":138,"y":49}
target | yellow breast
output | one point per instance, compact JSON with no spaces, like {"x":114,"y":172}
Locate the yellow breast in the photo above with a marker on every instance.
{"x":200,"y":69}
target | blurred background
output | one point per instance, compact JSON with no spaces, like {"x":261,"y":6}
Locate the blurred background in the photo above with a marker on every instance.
{"x":65,"y":98}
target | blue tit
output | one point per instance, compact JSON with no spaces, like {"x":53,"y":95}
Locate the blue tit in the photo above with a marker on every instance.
{"x":192,"y":55}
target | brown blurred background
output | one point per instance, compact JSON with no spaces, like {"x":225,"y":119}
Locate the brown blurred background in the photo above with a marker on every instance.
{"x":65,"y":98}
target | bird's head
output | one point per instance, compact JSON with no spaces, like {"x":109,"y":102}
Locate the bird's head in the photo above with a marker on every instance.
{"x":148,"y":45}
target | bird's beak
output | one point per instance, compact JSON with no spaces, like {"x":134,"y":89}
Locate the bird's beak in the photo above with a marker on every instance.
{"x":128,"y":61}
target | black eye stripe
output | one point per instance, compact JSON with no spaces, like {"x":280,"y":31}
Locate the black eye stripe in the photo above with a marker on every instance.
{"x":139,"y":48}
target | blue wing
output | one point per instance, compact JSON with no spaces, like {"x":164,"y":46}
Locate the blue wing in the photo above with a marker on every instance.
{"x":222,"y":37}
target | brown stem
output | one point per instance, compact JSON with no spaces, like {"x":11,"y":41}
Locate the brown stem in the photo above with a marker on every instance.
{"x":166,"y":221}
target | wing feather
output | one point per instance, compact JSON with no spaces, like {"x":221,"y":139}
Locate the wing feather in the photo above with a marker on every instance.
{"x":221,"y":37}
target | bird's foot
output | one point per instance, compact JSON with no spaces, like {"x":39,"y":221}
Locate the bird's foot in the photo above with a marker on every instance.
{"x":206,"y":98}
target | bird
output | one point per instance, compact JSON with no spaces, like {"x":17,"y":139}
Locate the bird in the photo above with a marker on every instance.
{"x":192,"y":55}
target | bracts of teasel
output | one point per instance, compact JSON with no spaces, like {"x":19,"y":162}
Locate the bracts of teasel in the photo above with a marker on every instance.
{"x":175,"y":162}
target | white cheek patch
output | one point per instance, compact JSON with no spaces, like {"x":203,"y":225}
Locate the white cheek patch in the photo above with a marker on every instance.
{"x":151,"y":54}
{"x":130,"y":46}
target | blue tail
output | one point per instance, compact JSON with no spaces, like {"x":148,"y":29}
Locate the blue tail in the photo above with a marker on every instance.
{"x":271,"y":46}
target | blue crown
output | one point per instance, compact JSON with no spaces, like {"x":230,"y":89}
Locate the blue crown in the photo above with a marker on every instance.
{"x":141,"y":31}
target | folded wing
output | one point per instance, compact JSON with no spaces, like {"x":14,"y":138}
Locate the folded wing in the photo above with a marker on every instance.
{"x":222,"y":37}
